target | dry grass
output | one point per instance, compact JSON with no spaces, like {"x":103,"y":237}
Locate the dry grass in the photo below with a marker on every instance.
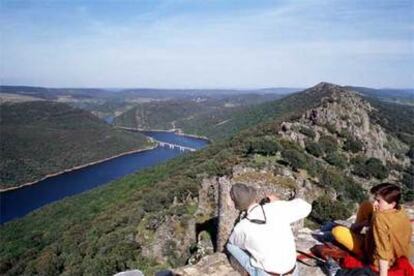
{"x":265,"y":177}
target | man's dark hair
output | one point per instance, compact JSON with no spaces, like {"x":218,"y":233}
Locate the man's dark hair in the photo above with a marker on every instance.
{"x":389,"y":192}
{"x":243,"y":196}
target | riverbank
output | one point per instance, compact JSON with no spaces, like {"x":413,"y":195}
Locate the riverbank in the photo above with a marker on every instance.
{"x":177,"y":131}
{"x":80,"y":167}
{"x":20,"y":202}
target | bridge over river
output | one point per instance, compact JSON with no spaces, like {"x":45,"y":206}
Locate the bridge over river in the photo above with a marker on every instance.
{"x":161,"y":143}
{"x":172,"y":146}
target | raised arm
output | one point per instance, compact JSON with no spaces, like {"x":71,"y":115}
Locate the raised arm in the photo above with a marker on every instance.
{"x":297,"y":209}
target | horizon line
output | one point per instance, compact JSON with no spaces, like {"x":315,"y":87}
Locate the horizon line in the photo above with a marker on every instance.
{"x":200,"y":88}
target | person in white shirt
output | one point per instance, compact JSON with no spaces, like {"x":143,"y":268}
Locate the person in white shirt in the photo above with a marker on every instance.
{"x":262,"y":241}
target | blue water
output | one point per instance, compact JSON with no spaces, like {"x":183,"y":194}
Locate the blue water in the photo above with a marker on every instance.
{"x":109,"y":119}
{"x":17,"y":203}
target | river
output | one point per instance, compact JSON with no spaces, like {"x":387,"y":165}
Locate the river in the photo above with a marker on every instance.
{"x":17,"y":203}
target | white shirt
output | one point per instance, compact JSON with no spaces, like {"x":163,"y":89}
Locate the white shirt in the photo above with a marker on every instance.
{"x":271,"y":245}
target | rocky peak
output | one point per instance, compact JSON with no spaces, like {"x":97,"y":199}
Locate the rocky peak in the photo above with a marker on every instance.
{"x":342,"y":114}
{"x":325,"y":86}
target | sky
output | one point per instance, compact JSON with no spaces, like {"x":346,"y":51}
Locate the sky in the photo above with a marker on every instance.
{"x":206,"y":43}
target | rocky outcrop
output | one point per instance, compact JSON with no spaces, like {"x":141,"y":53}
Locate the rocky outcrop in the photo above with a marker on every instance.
{"x":343,"y":113}
{"x":218,"y":264}
{"x":169,"y":239}
{"x":215,"y":265}
{"x":343,"y":116}
{"x":208,"y":197}
{"x":227,"y":213}
{"x":346,"y":112}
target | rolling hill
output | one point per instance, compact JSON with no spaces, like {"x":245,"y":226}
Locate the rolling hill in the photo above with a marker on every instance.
{"x":189,"y":115}
{"x":41,"y":138}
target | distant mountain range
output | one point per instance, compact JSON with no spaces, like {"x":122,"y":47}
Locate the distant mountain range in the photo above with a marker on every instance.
{"x":98,"y":93}
{"x":384,"y":92}
{"x":99,"y":96}
{"x":154,"y":92}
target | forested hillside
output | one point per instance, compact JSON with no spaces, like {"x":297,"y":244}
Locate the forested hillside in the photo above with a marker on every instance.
{"x":41,"y":138}
{"x":106,"y":103}
{"x":190,"y":114}
{"x":396,"y":118}
{"x":159,"y":115}
{"x":308,"y":143}
{"x":402,"y":96}
{"x":253,"y":115}
{"x":210,"y":120}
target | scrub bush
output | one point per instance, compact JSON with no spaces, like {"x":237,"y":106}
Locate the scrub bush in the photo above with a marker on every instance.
{"x":336,"y":159}
{"x":372,"y":167}
{"x":328,"y":143}
{"x":353,"y":145}
{"x":324,"y":209}
{"x":308,"y":132}
{"x":295,"y":158}
{"x":266,"y":145}
{"x":314,"y":148}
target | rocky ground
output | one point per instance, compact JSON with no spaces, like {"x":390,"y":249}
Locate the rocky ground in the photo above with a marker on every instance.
{"x":217,"y":264}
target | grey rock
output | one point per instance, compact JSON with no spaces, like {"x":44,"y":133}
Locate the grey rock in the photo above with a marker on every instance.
{"x":134,"y":272}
